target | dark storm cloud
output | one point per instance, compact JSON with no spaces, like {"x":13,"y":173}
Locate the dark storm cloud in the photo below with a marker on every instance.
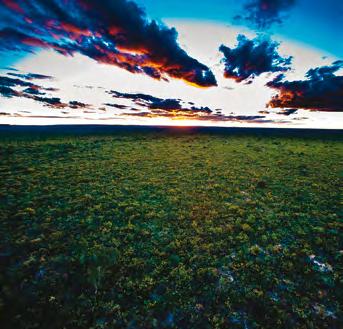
{"x":111,"y":32}
{"x":322,"y":91}
{"x":262,"y":14}
{"x":253,"y":57}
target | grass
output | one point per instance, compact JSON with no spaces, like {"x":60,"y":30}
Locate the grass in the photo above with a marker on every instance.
{"x":164,"y":230}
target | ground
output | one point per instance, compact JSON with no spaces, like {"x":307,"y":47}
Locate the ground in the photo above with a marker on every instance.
{"x":170,"y":229}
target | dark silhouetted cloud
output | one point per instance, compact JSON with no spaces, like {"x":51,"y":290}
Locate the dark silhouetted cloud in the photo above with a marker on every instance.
{"x":35,"y":92}
{"x":7,"y":91}
{"x":51,"y":89}
{"x":262,"y":14}
{"x":7,"y":84}
{"x":77,"y":105}
{"x":111,"y":32}
{"x":288,"y":112}
{"x":53,"y":102}
{"x":253,"y":57}
{"x":13,"y":82}
{"x":31,"y":76}
{"x":155,"y":103}
{"x":117,"y":106}
{"x":322,"y":91}
{"x":138,"y":97}
{"x":176,"y":109}
{"x":9,"y":68}
{"x":31,"y":88}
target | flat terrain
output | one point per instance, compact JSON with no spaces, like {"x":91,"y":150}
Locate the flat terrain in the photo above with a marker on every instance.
{"x":170,"y":229}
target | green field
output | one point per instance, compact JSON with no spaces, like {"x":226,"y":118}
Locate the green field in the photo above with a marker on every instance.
{"x":170,"y":230}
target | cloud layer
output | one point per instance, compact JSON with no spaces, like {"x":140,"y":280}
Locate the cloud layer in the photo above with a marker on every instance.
{"x":112,"y":32}
{"x":24,"y":87}
{"x":252,"y":57}
{"x":138,"y":105}
{"x":176,"y":109}
{"x":322,"y":91}
{"x":155,"y":103}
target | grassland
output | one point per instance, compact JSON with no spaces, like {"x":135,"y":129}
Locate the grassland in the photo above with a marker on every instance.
{"x":170,"y":230}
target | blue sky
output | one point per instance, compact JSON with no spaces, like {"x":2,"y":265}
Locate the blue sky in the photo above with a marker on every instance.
{"x":318,"y":23}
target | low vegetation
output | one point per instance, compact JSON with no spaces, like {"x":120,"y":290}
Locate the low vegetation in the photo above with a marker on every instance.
{"x":170,"y":230}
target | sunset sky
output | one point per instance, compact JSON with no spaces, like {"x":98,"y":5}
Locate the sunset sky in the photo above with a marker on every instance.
{"x":221,"y":62}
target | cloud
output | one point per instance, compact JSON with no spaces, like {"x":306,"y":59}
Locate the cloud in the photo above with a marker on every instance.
{"x":287,"y":112}
{"x":9,"y":68}
{"x":111,"y":32}
{"x":18,"y":115}
{"x":33,"y":91}
{"x":176,"y":109}
{"x":200,"y":116}
{"x":13,"y":82}
{"x":253,"y":57}
{"x":137,"y":98}
{"x":77,"y":105}
{"x":7,"y":84}
{"x":7,"y":91}
{"x":31,"y":76}
{"x":56,"y":103}
{"x":322,"y":91}
{"x":53,"y":102}
{"x":150,"y":107}
{"x":24,"y":80}
{"x":117,"y":106}
{"x":154,"y":103}
{"x":262,"y":14}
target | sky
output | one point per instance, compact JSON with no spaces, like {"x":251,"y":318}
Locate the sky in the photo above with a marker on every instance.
{"x":249,"y":63}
